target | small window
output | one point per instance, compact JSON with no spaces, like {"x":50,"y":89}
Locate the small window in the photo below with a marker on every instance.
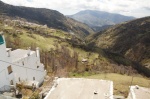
{"x":22,"y":63}
{"x":11,"y":82}
{"x":19,"y":79}
{"x":9,"y":69}
{"x":37,"y":66}
{"x":33,"y":78}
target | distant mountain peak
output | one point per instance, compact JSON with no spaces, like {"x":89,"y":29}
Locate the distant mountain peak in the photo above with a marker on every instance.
{"x":95,"y":18}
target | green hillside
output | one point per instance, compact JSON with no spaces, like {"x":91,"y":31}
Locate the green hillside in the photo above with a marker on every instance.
{"x":129,"y":39}
{"x":58,"y":48}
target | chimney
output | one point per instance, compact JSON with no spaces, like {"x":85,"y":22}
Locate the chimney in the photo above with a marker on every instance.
{"x":9,"y":52}
{"x":29,"y":51}
{"x":37,"y":52}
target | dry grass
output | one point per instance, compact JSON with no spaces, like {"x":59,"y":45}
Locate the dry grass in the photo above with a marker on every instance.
{"x":26,"y":93}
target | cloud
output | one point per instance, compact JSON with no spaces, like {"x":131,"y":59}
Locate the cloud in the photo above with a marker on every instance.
{"x":147,"y":8}
{"x":30,"y":0}
{"x":135,"y":8}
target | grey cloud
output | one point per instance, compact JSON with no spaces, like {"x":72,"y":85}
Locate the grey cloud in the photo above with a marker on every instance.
{"x":147,"y":8}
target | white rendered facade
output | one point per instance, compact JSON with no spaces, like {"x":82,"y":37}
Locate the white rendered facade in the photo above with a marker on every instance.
{"x":5,"y":77}
{"x":20,"y":66}
{"x":27,"y":66}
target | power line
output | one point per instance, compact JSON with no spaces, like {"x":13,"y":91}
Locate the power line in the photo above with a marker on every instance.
{"x":19,"y":65}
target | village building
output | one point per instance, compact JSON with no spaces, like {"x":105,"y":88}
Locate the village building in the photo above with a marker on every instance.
{"x":80,"y":88}
{"x":19,"y":66}
{"x":6,"y":74}
{"x":137,"y":92}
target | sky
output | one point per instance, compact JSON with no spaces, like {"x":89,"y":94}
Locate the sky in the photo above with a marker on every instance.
{"x":136,"y":8}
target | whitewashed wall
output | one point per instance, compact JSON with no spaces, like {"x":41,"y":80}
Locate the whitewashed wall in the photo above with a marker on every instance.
{"x":29,"y":70}
{"x":5,"y":78}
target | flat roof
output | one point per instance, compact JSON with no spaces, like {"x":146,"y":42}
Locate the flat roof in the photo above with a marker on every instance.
{"x":140,"y":92}
{"x":80,"y":88}
{"x":19,"y":54}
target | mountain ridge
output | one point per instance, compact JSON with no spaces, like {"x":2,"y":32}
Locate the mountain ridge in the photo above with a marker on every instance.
{"x":95,"y":18}
{"x":51,"y":18}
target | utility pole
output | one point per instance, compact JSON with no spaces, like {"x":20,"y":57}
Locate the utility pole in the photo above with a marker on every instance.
{"x":132,"y":80}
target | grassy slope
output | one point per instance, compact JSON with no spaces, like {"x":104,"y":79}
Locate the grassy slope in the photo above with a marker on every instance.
{"x":28,"y":37}
{"x":40,"y":41}
{"x":47,"y":43}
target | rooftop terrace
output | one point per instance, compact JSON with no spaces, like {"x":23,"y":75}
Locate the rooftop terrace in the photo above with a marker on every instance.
{"x":79,"y":88}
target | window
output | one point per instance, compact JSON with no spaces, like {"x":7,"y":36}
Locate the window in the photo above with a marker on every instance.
{"x":22,"y":63}
{"x":9,"y":69}
{"x":37,"y":66}
{"x":11,"y":82}
{"x":19,"y":79}
{"x":33,"y":78}
{"x":1,"y":40}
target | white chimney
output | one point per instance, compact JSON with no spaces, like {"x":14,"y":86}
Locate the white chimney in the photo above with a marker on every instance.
{"x":9,"y":52}
{"x":37,"y":52}
{"x":29,"y":51}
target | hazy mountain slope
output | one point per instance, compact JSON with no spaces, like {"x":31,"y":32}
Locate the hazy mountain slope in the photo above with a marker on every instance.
{"x":95,"y":18}
{"x":98,"y":28}
{"x":79,"y":28}
{"x":44,"y":16}
{"x":131,"y":39}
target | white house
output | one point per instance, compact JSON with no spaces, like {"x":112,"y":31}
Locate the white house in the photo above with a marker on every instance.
{"x":27,"y":66}
{"x":19,"y":66}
